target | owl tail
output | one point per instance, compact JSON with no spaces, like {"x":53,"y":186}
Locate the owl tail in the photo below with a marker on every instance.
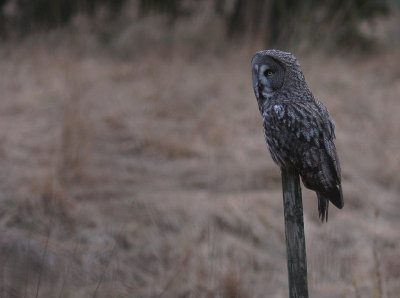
{"x":335,"y":196}
{"x":323,"y":205}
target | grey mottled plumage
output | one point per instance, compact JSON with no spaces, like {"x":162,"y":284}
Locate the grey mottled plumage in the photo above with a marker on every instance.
{"x":298,"y":128}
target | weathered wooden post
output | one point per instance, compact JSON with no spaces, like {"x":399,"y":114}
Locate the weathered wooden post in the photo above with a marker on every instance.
{"x":294,"y":231}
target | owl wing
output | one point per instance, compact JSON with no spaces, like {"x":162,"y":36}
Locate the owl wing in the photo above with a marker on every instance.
{"x":314,"y":152}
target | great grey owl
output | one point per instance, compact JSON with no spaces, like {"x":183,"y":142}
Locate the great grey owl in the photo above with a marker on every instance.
{"x":297,"y":127}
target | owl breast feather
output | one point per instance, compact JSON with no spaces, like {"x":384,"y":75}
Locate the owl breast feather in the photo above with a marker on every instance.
{"x":290,"y":126}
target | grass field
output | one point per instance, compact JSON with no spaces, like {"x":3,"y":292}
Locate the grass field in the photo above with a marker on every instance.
{"x":144,"y":173}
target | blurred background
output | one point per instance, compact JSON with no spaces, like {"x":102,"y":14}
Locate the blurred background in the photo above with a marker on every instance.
{"x":133,"y":161}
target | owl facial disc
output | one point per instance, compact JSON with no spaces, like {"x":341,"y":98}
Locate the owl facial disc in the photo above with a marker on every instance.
{"x":268,"y":76}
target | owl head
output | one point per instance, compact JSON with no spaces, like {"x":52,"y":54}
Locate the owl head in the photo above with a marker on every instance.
{"x":277,"y":74}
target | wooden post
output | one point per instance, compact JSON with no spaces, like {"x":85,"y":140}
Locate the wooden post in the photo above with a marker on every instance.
{"x":294,"y":231}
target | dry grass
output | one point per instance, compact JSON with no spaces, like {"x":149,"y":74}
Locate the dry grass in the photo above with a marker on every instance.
{"x":149,"y":177}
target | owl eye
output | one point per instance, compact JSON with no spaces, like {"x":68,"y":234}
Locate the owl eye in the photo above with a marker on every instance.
{"x":268,"y":72}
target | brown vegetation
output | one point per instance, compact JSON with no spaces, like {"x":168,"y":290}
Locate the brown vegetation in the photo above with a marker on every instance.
{"x":147,"y":175}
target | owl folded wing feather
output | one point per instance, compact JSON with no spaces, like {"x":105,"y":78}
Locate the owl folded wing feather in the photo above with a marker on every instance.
{"x":314,"y":153}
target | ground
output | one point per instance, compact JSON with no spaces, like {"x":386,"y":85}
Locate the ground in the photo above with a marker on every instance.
{"x":147,"y":175}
